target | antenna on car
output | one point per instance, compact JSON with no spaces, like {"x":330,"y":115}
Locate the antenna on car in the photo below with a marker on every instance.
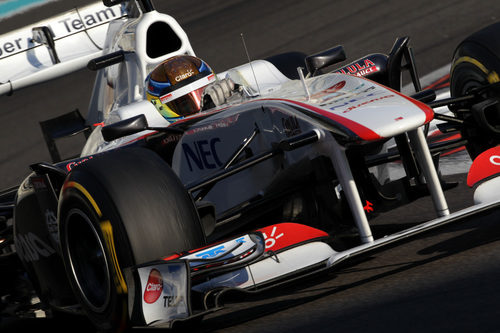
{"x":250,"y":62}
{"x":304,"y":84}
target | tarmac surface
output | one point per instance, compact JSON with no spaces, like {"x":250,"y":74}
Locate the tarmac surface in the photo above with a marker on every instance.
{"x":444,"y":282}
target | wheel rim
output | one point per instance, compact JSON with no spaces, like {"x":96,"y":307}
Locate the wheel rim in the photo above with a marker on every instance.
{"x":88,"y":261}
{"x":468,"y":79}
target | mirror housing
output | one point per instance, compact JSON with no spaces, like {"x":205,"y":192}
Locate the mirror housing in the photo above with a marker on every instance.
{"x":125,"y":127}
{"x":324,"y":59}
{"x":111,"y":3}
{"x":45,"y":36}
{"x":106,"y":60}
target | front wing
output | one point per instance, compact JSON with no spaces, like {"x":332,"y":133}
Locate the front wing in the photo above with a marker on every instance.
{"x":185,"y":286}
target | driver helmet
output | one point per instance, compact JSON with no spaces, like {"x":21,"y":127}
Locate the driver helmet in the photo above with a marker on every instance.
{"x":176,"y":85}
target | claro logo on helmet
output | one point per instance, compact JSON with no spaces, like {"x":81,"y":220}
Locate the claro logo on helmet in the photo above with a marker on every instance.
{"x":154,"y":287}
{"x":181,"y":77}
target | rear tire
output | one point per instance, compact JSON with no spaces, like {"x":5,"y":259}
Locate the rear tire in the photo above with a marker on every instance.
{"x":476,"y":63}
{"x":117,"y":210}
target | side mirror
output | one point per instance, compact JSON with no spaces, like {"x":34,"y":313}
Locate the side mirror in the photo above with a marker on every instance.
{"x":106,"y":60}
{"x":45,"y":36}
{"x":324,"y":59}
{"x":146,"y":5}
{"x":111,"y":3}
{"x":125,"y":127}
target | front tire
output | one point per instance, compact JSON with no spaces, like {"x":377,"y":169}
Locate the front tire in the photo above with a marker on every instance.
{"x":117,"y":210}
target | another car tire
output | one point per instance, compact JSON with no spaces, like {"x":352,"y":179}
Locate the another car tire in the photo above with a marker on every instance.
{"x":476,"y":63}
{"x":117,"y":210}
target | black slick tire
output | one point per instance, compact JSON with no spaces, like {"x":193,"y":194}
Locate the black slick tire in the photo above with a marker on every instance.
{"x":122,"y":208}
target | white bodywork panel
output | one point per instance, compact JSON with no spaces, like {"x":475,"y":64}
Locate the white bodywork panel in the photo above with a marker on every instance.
{"x":370,"y":110}
{"x":487,"y":192}
{"x":122,"y":84}
{"x":286,"y":262}
{"x":267,"y":75}
{"x":79,"y":36}
{"x":258,"y":77}
{"x":164,"y":292}
{"x":95,"y":143}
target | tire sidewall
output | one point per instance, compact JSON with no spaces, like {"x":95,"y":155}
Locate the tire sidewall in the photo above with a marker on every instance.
{"x":472,"y":61}
{"x":114,"y":315}
{"x":476,"y":64}
{"x":146,"y":213}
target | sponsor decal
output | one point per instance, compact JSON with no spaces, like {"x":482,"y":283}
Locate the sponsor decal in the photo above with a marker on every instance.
{"x":165,"y":289}
{"x":72,"y":24}
{"x":349,"y":109}
{"x":165,"y":98}
{"x":154,"y":287}
{"x":368,"y":207}
{"x":11,"y":46}
{"x":211,"y":253}
{"x":347,"y":97}
{"x":361,"y":68}
{"x":495,"y":160}
{"x":222,"y":123}
{"x":62,"y":26}
{"x":271,"y":239}
{"x":169,"y":301}
{"x":171,"y":138}
{"x":73,"y":164}
{"x":202,"y":154}
{"x":51,"y":221}
{"x":181,"y":77}
{"x":331,"y":92}
{"x":283,"y":235}
{"x":367,"y":71}
{"x":485,"y":165}
{"x":31,"y":248}
{"x":241,"y":240}
{"x":336,"y":87}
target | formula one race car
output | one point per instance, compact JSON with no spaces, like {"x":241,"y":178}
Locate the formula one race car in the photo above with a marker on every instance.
{"x":154,"y":223}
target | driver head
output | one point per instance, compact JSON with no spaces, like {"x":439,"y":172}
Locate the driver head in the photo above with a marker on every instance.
{"x":176,"y":85}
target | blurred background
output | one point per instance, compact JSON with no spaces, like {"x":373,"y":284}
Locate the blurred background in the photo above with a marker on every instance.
{"x":214,"y":27}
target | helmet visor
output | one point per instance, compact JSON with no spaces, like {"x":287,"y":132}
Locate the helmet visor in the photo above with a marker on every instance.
{"x":187,"y":104}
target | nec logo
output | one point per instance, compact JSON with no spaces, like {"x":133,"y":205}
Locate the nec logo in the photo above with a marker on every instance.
{"x":202,"y":154}
{"x":154,"y":287}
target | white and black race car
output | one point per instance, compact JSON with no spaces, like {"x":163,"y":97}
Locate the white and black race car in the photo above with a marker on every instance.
{"x":154,"y":223}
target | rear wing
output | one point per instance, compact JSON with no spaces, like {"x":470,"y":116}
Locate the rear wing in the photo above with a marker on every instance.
{"x":55,"y":47}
